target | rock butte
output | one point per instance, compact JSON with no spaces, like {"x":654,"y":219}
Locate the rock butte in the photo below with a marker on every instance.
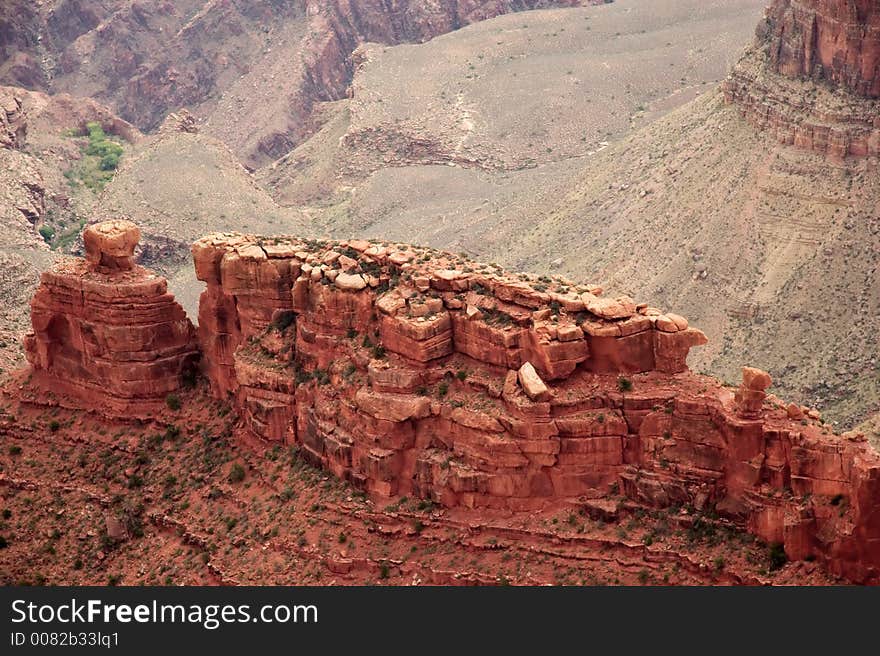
{"x":107,"y":331}
{"x":408,"y":371}
{"x":837,"y":41}
{"x":812,"y":78}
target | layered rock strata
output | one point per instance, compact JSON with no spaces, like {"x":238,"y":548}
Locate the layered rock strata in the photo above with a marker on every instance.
{"x":836,"y":41}
{"x":412,"y":372}
{"x":812,"y":78}
{"x":106,"y":331}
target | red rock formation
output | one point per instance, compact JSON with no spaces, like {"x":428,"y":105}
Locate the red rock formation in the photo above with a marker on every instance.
{"x":813,"y":77}
{"x":408,"y":371}
{"x":412,"y":372}
{"x":803,"y":49}
{"x":750,"y":395}
{"x":812,"y":119}
{"x":837,"y":41}
{"x":106,"y":331}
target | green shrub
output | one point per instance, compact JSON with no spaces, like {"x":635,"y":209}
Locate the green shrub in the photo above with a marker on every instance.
{"x":173,"y":402}
{"x":96,"y":133}
{"x":14,"y":450}
{"x":109,"y":162}
{"x":777,"y":556}
{"x":284,"y":320}
{"x":54,"y":426}
{"x":236,"y":474}
{"x":624,"y":384}
{"x":301,"y":376}
{"x":101,"y":146}
{"x":189,"y":377}
{"x":100,"y":159}
{"x":47,"y":232}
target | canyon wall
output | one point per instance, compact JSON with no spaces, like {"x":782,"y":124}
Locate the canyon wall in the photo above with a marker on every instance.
{"x":412,"y":372}
{"x":837,"y":41}
{"x":812,"y":78}
{"x":226,"y":61}
{"x":106,"y":331}
{"x":324,"y":65}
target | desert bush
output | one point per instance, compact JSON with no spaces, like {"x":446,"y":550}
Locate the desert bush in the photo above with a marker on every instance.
{"x":47,"y":232}
{"x":237,"y":473}
{"x":777,"y":556}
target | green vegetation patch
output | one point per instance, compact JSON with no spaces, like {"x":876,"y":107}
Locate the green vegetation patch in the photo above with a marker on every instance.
{"x":100,"y":160}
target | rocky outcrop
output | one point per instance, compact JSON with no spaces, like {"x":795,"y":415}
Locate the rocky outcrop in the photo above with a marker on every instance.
{"x":13,"y":127}
{"x":22,"y":187}
{"x":812,"y":78}
{"x":835,"y":41}
{"x":408,"y":371}
{"x":412,"y":372}
{"x":106,"y":332}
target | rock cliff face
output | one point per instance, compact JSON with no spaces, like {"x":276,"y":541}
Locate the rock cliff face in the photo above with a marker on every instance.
{"x":106,"y":331}
{"x":13,"y":127}
{"x":813,"y":77}
{"x":325,"y":66}
{"x":837,"y":41}
{"x":413,"y":372}
{"x":225,"y":60}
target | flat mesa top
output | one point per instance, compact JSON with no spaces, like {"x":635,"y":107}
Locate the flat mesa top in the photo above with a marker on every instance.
{"x":356,"y":264}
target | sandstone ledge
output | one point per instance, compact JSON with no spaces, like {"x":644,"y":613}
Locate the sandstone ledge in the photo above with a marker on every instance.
{"x":408,"y":371}
{"x":406,"y":384}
